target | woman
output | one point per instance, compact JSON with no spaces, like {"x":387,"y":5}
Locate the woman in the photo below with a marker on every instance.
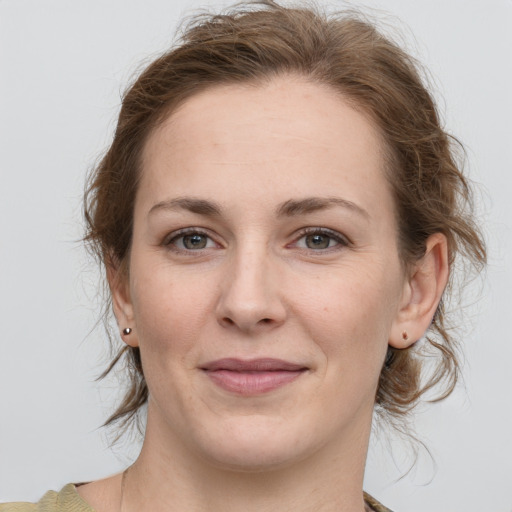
{"x":277,"y":216}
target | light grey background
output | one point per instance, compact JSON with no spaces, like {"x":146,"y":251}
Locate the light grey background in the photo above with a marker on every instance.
{"x":62,"y":67}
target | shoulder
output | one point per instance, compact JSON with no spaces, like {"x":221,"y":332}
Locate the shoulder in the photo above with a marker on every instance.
{"x":372,"y":505}
{"x":18,"y":507}
{"x":66,"y":500}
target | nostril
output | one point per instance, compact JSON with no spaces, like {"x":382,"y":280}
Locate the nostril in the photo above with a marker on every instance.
{"x":265,"y":320}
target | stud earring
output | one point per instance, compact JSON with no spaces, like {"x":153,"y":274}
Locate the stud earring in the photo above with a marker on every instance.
{"x":405,"y":336}
{"x":127,"y":330}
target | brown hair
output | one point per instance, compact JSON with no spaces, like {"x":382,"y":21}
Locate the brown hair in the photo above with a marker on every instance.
{"x":253,"y":42}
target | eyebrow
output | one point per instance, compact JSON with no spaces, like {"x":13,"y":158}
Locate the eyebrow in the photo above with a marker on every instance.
{"x":295,"y":207}
{"x":290,"y":208}
{"x":192,"y":204}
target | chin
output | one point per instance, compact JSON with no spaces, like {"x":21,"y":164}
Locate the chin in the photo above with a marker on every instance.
{"x":254,"y":445}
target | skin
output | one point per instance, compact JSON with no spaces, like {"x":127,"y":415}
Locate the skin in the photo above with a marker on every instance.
{"x":319,"y":284}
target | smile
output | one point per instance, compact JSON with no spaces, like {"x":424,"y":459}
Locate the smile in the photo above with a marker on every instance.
{"x":252,"y":377}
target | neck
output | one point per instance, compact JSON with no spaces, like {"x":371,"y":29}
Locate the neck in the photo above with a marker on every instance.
{"x":169,"y":477}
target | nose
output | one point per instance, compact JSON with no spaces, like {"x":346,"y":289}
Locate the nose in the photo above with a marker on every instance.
{"x":251,"y":298}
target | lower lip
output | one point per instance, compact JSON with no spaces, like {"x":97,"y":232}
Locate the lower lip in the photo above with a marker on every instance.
{"x":252,"y":383}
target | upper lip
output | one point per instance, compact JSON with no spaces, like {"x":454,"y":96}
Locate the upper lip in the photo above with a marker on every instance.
{"x":252,"y":365}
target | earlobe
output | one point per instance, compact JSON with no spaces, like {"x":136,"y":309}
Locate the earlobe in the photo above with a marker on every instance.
{"x":422,"y":293}
{"x":121,"y":304}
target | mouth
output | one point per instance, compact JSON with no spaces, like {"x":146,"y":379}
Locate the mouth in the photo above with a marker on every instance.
{"x":252,"y":377}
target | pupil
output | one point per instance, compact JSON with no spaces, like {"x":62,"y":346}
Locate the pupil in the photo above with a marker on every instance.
{"x":317,"y":241}
{"x":194,"y":241}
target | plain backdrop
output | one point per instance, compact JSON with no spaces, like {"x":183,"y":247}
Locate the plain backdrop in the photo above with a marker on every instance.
{"x":63,"y":65}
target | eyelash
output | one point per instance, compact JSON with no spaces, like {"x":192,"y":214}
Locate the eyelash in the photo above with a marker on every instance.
{"x":340,"y":240}
{"x":171,"y":240}
{"x":333,"y":235}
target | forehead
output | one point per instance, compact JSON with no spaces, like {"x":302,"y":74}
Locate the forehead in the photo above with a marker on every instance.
{"x":287,"y":134}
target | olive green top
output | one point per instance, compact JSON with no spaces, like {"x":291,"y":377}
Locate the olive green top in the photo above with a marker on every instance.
{"x":68,"y":500}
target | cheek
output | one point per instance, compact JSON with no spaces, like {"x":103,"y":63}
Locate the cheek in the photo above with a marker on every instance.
{"x":350,"y":315}
{"x":170,"y":311}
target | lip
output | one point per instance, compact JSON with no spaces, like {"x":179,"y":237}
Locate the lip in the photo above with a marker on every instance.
{"x":254,"y":376}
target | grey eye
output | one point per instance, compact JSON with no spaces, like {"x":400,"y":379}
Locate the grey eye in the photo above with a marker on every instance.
{"x":195,"y":241}
{"x":318,"y":241}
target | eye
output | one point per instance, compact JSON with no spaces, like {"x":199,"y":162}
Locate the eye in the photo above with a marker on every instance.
{"x":190,"y":241}
{"x":320,"y":239}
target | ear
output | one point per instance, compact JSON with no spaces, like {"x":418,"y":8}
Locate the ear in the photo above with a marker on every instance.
{"x":119,"y":285}
{"x":422,"y":293}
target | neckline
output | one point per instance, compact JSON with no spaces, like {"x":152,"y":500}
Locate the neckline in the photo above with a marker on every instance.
{"x":70,"y":496}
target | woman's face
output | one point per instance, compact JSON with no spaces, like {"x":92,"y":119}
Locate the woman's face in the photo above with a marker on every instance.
{"x":264,"y":276}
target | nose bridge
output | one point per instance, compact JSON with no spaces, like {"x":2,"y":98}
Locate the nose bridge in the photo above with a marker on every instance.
{"x":250,"y":297}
